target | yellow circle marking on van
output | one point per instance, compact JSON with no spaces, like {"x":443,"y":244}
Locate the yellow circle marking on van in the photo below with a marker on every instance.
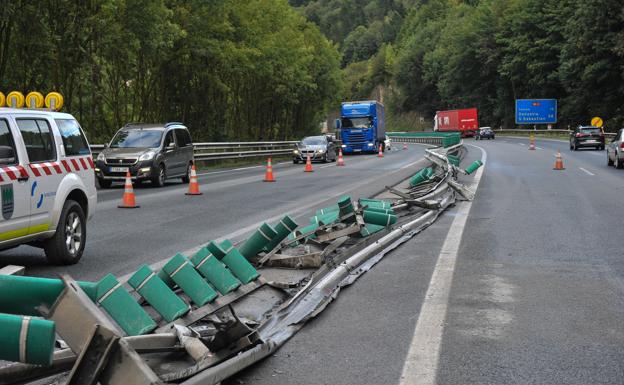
{"x":54,"y":101}
{"x":34,"y":99}
{"x":15,"y":99}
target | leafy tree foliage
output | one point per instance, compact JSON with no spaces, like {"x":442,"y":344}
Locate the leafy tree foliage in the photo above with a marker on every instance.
{"x":229,"y":69}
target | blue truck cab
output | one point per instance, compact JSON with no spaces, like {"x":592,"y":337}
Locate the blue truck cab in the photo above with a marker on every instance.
{"x":361,"y":126}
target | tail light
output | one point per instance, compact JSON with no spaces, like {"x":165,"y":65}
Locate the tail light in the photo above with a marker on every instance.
{"x":622,"y":145}
{"x":579,"y":135}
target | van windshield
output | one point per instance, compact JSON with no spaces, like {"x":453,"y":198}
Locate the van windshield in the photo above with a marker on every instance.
{"x":137,"y":139}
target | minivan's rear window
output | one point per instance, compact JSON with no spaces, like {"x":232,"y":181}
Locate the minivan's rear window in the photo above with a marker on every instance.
{"x":73,"y":139}
{"x":137,"y":139}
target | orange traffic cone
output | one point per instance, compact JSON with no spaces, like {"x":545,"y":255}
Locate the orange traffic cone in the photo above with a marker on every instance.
{"x":340,"y":161}
{"x":380,"y":154}
{"x":128,"y":201}
{"x":558,"y":162}
{"x":308,"y":167}
{"x":531,"y":142}
{"x":268,"y":177}
{"x":193,"y":184}
{"x":405,"y":146}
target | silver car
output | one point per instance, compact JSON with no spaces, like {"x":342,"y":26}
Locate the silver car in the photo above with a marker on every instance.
{"x":154,"y":152}
{"x":320,"y":147}
{"x":615,"y":150}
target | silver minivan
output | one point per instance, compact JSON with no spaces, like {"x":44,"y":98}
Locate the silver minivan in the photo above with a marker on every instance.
{"x":154,"y":152}
{"x":615,"y":150}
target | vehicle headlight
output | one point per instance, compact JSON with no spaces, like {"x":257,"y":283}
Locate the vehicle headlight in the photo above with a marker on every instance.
{"x":296,"y":152}
{"x":370,"y":145}
{"x":147,"y":156}
{"x":320,"y":151}
{"x":101,"y":157}
{"x":344,"y":146}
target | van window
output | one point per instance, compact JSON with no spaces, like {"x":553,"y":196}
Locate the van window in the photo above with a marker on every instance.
{"x":6,"y":139}
{"x":74,"y":140}
{"x":183,"y":137}
{"x":38,"y":139}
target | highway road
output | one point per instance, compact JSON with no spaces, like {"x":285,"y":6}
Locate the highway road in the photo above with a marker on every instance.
{"x":234,"y":202}
{"x":535,"y":296}
{"x":524,"y":285}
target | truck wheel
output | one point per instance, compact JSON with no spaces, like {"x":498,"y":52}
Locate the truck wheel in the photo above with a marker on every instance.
{"x":159,"y":179}
{"x":104,"y":183}
{"x":67,"y":244}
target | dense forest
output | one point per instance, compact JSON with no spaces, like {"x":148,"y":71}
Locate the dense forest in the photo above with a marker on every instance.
{"x":229,"y":69}
{"x":273,"y":69}
{"x":442,"y":54}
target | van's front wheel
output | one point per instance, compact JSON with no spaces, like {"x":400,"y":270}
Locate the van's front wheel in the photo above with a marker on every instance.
{"x":67,"y":244}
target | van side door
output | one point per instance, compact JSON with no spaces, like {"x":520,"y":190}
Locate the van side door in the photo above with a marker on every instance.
{"x":14,"y":185}
{"x":45,"y":168}
{"x":185,"y":147}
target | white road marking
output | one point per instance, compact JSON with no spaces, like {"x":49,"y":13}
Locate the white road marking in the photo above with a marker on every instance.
{"x":421,"y":363}
{"x":587,"y":172}
{"x":539,"y":148}
{"x":522,"y":144}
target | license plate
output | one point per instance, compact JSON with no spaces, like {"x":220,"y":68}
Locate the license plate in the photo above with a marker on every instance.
{"x":356,"y":150}
{"x":591,"y":141}
{"x":119,"y":169}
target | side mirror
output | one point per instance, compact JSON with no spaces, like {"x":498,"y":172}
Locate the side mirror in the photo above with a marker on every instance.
{"x":338,"y":124}
{"x":170,"y":147}
{"x":7,"y":155}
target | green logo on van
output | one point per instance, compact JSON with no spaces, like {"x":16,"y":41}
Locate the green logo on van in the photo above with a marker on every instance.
{"x":6,"y":190}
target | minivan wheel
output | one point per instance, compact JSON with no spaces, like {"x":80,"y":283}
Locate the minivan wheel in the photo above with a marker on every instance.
{"x":609,"y":161}
{"x":187,"y":178}
{"x":67,"y":244}
{"x":159,"y":179}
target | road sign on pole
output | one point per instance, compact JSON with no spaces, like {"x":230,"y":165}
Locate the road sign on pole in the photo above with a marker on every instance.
{"x":536,"y":111}
{"x":596,"y":122}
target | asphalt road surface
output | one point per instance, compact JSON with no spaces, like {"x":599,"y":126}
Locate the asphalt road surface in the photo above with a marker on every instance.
{"x":536,"y":293}
{"x":527,"y":287}
{"x":234,"y":203}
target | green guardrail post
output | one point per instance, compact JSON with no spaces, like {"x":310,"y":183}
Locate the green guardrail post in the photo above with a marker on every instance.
{"x":183,"y":273}
{"x":326,"y":210}
{"x":257,"y":241}
{"x":282,"y":228}
{"x":345,"y":207}
{"x":454,"y":160}
{"x":324,"y":219}
{"x":379,"y":218}
{"x":215,"y":272}
{"x":26,"y":339}
{"x":473,"y":166}
{"x":370,"y":229}
{"x":375,"y":203}
{"x":158,"y":294}
{"x":122,"y":307}
{"x":22,"y":294}
{"x":240,"y":266}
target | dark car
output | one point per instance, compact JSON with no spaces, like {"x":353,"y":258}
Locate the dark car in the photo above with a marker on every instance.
{"x":154,"y":152}
{"x":587,"y":136}
{"x":484,"y":133}
{"x":320,"y":147}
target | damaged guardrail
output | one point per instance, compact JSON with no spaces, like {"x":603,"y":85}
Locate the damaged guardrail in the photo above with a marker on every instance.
{"x":195,"y":317}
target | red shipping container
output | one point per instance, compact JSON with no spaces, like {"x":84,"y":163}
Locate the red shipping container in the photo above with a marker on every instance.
{"x":464,"y":121}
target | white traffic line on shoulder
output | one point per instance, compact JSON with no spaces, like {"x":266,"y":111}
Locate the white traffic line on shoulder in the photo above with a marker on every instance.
{"x":586,"y":172}
{"x":522,"y":144}
{"x":539,"y":148}
{"x":421,"y":363}
{"x":237,"y":169}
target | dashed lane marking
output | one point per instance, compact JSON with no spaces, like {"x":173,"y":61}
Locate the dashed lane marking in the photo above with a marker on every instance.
{"x":586,"y":172}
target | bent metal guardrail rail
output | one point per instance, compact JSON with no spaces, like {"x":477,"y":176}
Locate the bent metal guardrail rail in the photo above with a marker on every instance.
{"x":230,"y":150}
{"x":184,"y":315}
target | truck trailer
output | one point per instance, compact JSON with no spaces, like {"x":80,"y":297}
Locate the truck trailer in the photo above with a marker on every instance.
{"x":464,"y":121}
{"x":361,"y":126}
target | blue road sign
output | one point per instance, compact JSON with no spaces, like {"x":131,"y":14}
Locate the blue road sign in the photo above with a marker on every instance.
{"x":536,"y":111}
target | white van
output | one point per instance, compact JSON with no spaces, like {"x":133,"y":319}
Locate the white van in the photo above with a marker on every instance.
{"x":47,"y":183}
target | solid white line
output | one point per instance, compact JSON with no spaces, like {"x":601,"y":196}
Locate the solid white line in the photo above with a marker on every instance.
{"x":421,"y":364}
{"x":522,"y":144}
{"x":539,"y":148}
{"x":587,"y":172}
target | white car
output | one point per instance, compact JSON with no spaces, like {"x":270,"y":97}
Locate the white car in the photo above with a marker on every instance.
{"x":615,"y":150}
{"x":47,"y":183}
